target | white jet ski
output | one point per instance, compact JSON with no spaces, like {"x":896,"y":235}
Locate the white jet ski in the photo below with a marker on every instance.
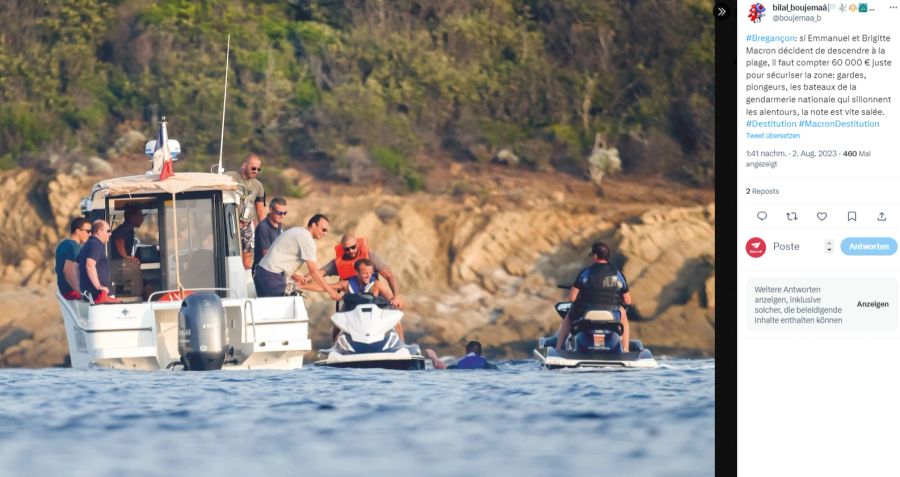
{"x":594,"y":342}
{"x":367,"y":338}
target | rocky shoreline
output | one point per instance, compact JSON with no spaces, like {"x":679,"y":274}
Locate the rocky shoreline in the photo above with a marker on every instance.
{"x":470,"y":266}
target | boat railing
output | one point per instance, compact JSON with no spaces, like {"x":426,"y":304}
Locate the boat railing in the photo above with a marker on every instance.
{"x":252,"y":318}
{"x":68,"y":306}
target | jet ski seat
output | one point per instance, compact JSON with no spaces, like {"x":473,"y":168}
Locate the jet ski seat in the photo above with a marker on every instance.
{"x":600,"y":320}
{"x":600,"y":316}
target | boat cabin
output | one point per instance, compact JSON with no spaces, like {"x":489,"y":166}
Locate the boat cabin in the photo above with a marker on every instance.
{"x":189,"y":223}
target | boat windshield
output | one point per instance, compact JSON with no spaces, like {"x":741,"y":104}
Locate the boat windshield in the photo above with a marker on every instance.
{"x":193,"y":229}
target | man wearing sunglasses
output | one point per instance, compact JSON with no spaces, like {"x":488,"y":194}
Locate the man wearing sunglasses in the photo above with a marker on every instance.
{"x":93,"y":265}
{"x":354,"y":248}
{"x":253,"y":206}
{"x":67,"y":258}
{"x":268,"y":230}
{"x":287,"y":254}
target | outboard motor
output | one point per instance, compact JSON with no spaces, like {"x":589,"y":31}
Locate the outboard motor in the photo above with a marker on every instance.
{"x":201,"y":332}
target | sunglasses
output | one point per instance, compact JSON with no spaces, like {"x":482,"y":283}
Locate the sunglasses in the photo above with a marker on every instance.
{"x":352,"y":247}
{"x":276,"y":212}
{"x":85,"y":230}
{"x":256,"y":169}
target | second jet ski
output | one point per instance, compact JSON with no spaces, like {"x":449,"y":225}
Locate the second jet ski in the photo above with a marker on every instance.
{"x":594,"y":342}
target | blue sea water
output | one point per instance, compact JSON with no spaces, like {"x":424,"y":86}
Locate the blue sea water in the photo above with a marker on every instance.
{"x":520,"y":420}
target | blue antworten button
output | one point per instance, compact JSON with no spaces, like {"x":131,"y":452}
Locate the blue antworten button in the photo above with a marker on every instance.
{"x":869,"y":246}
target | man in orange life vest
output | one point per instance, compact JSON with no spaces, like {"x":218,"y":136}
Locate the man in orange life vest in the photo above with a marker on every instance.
{"x":348,"y":252}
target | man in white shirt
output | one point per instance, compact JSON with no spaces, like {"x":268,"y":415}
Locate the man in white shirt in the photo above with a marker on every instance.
{"x":288,"y":253}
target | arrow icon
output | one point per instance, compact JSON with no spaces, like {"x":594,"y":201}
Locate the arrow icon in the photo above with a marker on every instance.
{"x":721,"y":11}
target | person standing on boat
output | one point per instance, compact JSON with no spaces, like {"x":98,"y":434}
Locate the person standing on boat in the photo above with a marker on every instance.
{"x":293,"y":248}
{"x":123,"y":236}
{"x":472,"y":359}
{"x":348,"y":252}
{"x":252,"y":209}
{"x":598,"y":287}
{"x":67,"y":258}
{"x":269,"y":229}
{"x":93,"y":265}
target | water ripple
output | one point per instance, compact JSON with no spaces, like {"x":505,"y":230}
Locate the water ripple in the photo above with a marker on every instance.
{"x":359,"y":422}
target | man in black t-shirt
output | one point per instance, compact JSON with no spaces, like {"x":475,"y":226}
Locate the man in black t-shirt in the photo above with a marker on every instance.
{"x":93,"y":266}
{"x":123,"y":236}
{"x":268,"y":230}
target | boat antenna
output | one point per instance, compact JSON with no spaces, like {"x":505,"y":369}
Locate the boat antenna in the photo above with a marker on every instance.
{"x":224,"y":98}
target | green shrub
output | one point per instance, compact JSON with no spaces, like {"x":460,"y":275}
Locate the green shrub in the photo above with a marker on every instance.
{"x":396,"y":164}
{"x":277,"y":185}
{"x":308,"y":78}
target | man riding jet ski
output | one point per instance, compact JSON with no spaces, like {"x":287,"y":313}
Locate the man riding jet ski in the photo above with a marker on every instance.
{"x":368,"y":332}
{"x":595,"y":317}
{"x":367,"y":338}
{"x":348,"y":253}
{"x":365,"y":280}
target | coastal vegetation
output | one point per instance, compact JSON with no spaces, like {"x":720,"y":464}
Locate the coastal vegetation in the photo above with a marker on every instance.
{"x":408,"y":82}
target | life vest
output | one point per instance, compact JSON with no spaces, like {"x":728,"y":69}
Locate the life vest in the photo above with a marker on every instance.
{"x":472,"y":361}
{"x":357,"y":288}
{"x":601,"y":287}
{"x":345,"y":267}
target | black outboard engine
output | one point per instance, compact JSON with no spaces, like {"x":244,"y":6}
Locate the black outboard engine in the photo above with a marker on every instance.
{"x":201,"y":332}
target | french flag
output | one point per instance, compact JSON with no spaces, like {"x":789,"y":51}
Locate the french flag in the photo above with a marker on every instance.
{"x":162,"y":158}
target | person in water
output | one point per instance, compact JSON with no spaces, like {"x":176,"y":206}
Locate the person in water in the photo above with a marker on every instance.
{"x":598,"y":287}
{"x":472,"y":359}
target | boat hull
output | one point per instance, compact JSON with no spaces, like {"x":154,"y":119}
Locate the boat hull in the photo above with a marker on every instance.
{"x":263,"y":333}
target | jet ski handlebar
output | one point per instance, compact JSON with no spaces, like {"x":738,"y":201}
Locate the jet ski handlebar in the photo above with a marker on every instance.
{"x":352,"y":300}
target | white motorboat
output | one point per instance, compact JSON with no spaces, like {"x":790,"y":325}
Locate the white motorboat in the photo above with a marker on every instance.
{"x":188,"y":244}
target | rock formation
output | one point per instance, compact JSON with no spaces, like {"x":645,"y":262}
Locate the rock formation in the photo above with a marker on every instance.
{"x":470,"y":267}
